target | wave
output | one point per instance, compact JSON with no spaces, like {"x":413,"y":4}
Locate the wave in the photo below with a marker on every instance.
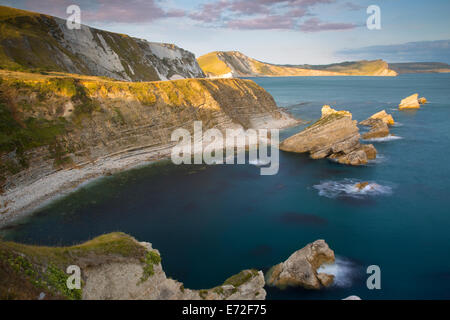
{"x":345,"y":271}
{"x":348,"y":188}
{"x":384,"y":139}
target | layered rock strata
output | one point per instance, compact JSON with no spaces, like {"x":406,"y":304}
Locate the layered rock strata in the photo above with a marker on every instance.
{"x":335,"y":135}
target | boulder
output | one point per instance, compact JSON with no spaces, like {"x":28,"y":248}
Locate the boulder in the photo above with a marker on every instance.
{"x":379,"y":130}
{"x":370,"y":151}
{"x":411,"y":102}
{"x":361,"y":185}
{"x":423,"y":100}
{"x":382,"y":115}
{"x":352,"y":298}
{"x":300,"y":269}
{"x":335,"y":135}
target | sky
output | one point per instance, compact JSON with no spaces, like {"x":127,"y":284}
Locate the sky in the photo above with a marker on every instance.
{"x":275,"y":31}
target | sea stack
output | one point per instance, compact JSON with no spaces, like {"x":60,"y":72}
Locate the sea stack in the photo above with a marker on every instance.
{"x":300,"y":269}
{"x":335,"y":135}
{"x":412,"y":102}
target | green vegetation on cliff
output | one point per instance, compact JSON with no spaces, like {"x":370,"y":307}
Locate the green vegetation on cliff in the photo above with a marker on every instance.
{"x":33,"y":42}
{"x":26,"y":270}
{"x":57,"y":120}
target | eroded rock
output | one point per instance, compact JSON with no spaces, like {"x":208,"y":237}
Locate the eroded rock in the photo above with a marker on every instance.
{"x":411,"y":102}
{"x":335,"y":135}
{"x":300,"y":269}
{"x":379,"y":129}
{"x":382,"y":115}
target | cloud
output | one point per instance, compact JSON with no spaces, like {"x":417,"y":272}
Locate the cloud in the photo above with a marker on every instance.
{"x":315,"y":25}
{"x":422,"y":51}
{"x":269,"y":22}
{"x":264,"y":14}
{"x":131,"y":11}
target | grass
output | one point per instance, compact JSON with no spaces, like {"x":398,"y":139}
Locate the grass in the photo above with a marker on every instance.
{"x":27,"y":270}
{"x":241,"y":278}
{"x":151,"y":259}
{"x":212,"y":64}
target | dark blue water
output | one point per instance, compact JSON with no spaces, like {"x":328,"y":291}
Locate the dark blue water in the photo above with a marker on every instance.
{"x":210,"y":222}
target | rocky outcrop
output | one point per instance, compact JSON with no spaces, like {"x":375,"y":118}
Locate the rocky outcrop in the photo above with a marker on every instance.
{"x":113,"y":267}
{"x":335,"y":135}
{"x":382,"y":115}
{"x":379,"y":123}
{"x":352,"y":298}
{"x":38,"y":42}
{"x":68,"y":128}
{"x":411,"y":102}
{"x":423,"y":100}
{"x":300,"y":269}
{"x":379,"y":129}
{"x":236,"y":64}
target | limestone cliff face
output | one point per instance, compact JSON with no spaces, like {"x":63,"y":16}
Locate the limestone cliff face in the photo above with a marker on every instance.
{"x":113,"y":266}
{"x":53,"y":123}
{"x":235,"y":64}
{"x":31,"y":41}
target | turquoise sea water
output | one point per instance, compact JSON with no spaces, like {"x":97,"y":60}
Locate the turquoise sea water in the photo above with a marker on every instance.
{"x":210,"y":222}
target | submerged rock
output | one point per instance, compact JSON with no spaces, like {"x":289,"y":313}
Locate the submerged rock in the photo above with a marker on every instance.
{"x":382,"y":115}
{"x":411,"y":102}
{"x":335,"y":135}
{"x":300,"y":269}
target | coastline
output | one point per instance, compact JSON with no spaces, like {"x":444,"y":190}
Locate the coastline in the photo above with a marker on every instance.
{"x":23,"y":200}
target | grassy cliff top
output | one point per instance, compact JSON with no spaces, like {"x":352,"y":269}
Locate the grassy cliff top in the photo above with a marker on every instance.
{"x":217,"y":63}
{"x":26,"y":270}
{"x":212,"y":64}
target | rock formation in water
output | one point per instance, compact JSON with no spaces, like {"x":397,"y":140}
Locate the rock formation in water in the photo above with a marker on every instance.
{"x":335,"y":135}
{"x":379,"y":123}
{"x":411,"y":102}
{"x":382,"y":115}
{"x":300,"y":269}
{"x":113,"y":267}
{"x":379,"y":129}
{"x":38,"y":42}
{"x":227,"y":64}
{"x":352,"y":298}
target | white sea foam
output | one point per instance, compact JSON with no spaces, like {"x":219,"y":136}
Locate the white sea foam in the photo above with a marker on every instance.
{"x":344,"y":271}
{"x":384,"y":139}
{"x":379,"y":159}
{"x":348,"y":188}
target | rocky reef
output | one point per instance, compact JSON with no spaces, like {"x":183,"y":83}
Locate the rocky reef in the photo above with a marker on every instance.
{"x":227,"y":64}
{"x":300,"y":269}
{"x":412,"y":102}
{"x":335,"y":135}
{"x":113,"y":267}
{"x":37,"y":42}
